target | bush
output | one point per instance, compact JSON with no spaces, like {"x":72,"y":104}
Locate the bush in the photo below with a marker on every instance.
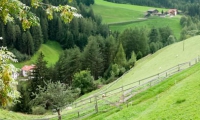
{"x":83,"y":80}
{"x":39,"y":110}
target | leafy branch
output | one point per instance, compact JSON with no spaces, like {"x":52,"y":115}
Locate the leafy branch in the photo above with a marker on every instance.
{"x":11,"y":9}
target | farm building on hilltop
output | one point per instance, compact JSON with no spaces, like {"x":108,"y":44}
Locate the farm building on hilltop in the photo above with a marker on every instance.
{"x":172,"y":12}
{"x":153,"y":11}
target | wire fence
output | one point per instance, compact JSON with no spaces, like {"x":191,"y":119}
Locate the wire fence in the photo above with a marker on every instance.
{"x":113,"y":98}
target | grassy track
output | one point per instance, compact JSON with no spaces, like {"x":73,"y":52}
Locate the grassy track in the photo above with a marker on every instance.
{"x":51,"y":50}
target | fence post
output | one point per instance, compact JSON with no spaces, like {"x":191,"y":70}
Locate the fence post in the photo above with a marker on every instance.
{"x":75,"y":105}
{"x":178,"y":67}
{"x":198,"y":58}
{"x":78,"y":114}
{"x":122,"y":94}
{"x":150,"y":83}
{"x":158,"y":75}
{"x":166,"y":74}
{"x":96,"y":105}
{"x":189,"y":63}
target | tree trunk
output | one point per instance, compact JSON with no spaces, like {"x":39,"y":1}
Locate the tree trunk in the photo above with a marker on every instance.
{"x":59,"y":115}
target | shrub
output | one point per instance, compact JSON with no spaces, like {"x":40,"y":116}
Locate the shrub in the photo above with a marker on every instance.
{"x":180,"y":101}
{"x":39,"y":110}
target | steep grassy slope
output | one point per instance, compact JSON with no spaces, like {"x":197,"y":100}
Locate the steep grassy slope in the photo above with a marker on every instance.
{"x":162,"y":60}
{"x":174,"y":99}
{"x":51,"y":50}
{"x":130,"y":16}
{"x":10,"y":115}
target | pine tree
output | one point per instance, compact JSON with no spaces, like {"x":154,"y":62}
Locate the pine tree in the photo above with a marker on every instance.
{"x":40,"y":74}
{"x":18,"y":37}
{"x":44,"y":27}
{"x":10,"y":36}
{"x":120,"y":57}
{"x":37,"y":37}
{"x":154,"y":35}
{"x":92,"y":58}
{"x":23,"y":43}
{"x":68,"y":64}
{"x":29,"y":44}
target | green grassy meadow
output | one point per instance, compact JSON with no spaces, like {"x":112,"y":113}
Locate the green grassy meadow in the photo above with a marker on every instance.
{"x":10,"y":115}
{"x":156,"y":22}
{"x":152,"y":64}
{"x":112,"y":12}
{"x":51,"y":50}
{"x":176,"y":98}
{"x":123,"y":16}
{"x":162,"y":60}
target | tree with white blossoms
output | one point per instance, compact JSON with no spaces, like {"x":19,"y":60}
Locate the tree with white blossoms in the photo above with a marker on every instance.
{"x":8,"y":85}
{"x":10,"y":9}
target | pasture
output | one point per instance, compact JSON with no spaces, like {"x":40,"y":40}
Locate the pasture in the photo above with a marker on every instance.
{"x":152,"y":64}
{"x":51,"y":51}
{"x":175,"y":98}
{"x":122,"y":16}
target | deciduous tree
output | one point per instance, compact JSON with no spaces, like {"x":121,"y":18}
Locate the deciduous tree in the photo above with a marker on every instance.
{"x":57,"y":95}
{"x":8,"y":85}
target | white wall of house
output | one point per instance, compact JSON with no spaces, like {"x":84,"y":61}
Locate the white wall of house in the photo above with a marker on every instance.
{"x":24,"y":73}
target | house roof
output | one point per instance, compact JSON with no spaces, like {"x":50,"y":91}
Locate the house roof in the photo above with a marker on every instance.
{"x":28,"y":67}
{"x":152,"y":10}
{"x":172,"y":10}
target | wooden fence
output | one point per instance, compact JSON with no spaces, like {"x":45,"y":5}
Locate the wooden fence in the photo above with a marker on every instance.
{"x":113,"y":98}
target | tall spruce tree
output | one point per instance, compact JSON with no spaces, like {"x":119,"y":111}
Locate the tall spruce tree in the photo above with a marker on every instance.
{"x":10,"y":36}
{"x":120,"y":57}
{"x":37,"y":37}
{"x":68,"y":64}
{"x":40,"y":74}
{"x":44,"y":27}
{"x":23,"y":44}
{"x":29,"y":44}
{"x":92,"y":58}
{"x":18,"y":37}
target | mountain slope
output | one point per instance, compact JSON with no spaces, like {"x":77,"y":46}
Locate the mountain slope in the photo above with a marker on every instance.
{"x":175,"y":98}
{"x":162,"y":60}
{"x":123,"y":16}
{"x":51,"y":51}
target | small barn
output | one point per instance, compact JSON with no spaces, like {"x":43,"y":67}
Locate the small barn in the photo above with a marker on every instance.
{"x":173,"y":12}
{"x":153,"y":11}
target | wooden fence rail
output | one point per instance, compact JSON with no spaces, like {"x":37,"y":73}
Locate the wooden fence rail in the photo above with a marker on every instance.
{"x":124,"y":93}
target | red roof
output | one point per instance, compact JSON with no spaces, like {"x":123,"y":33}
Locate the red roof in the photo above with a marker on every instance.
{"x":172,"y":10}
{"x":28,"y":67}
